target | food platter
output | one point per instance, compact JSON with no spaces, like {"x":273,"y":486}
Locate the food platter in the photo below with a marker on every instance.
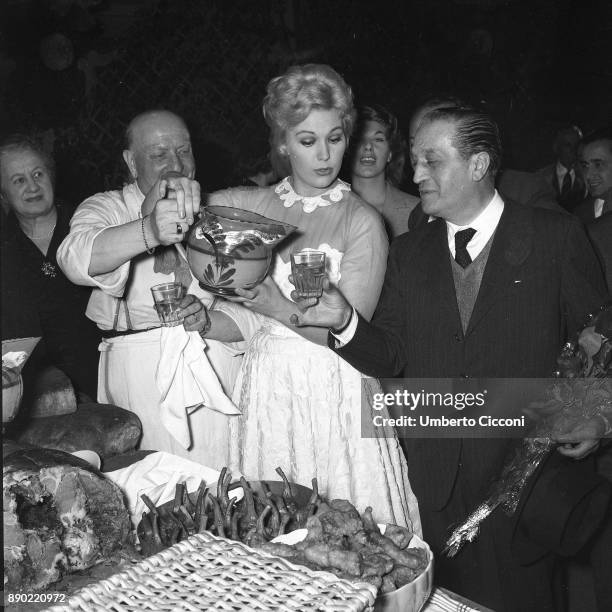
{"x":409,"y":598}
{"x":185,"y":506}
{"x":293,"y":522}
{"x":412,"y":596}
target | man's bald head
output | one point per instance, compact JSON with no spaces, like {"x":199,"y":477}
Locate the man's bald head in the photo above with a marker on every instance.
{"x":157,"y":141}
{"x":145,"y":120}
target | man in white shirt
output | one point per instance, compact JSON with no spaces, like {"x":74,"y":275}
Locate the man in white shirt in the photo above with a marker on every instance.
{"x":121,"y":244}
{"x":488,"y":289}
{"x":596,"y":161}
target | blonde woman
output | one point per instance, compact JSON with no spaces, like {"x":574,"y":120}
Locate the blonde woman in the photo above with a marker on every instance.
{"x":302,"y":405}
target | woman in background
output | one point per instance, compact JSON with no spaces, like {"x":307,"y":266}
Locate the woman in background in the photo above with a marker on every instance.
{"x":377,"y":164}
{"x":301,"y":404}
{"x":37,"y":299}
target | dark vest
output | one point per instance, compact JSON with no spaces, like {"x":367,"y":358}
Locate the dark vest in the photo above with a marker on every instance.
{"x":467,"y":282}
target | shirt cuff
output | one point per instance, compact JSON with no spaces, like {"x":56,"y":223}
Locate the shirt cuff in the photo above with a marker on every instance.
{"x":347,"y":334}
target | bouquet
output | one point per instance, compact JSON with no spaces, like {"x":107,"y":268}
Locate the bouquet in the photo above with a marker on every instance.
{"x":568,"y":404}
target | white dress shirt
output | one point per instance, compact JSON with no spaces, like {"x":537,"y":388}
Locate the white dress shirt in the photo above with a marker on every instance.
{"x":485,"y":225}
{"x":598,"y":207}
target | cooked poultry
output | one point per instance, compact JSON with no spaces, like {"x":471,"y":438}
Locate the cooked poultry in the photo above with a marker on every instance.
{"x":352,"y":546}
{"x":339,"y":539}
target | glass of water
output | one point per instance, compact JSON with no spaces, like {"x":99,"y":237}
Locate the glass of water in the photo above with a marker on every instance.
{"x":308,"y":270}
{"x":167,"y":298}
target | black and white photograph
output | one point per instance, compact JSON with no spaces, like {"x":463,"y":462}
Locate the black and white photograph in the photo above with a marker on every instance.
{"x":306,"y":305}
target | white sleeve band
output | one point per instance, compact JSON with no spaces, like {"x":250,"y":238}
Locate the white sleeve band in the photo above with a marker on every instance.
{"x":346,"y":335}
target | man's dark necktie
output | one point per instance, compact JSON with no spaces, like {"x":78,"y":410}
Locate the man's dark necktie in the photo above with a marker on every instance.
{"x":462,"y":257}
{"x":566,"y":186}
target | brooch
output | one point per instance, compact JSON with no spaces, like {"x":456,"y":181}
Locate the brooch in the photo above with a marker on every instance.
{"x":48,"y":269}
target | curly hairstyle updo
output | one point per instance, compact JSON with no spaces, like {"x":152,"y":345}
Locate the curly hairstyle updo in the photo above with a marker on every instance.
{"x":292,"y":96}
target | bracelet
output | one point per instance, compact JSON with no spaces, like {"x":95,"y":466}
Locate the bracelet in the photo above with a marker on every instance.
{"x":341,"y":329}
{"x":144,"y":236}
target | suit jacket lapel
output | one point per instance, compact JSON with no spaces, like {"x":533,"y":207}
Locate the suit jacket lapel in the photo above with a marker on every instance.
{"x":512,"y":243}
{"x":436,"y":272}
{"x":552,"y":177}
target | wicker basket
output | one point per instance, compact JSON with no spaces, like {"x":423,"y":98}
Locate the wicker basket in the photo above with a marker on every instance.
{"x":210,"y":573}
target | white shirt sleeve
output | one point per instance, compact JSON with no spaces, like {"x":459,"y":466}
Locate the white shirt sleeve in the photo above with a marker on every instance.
{"x":346,"y":335}
{"x":92,"y":217}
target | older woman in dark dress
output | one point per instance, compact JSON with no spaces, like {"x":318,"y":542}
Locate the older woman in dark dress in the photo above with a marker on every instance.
{"x":37,"y":299}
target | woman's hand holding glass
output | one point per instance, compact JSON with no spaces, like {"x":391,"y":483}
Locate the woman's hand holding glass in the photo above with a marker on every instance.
{"x":331,"y":310}
{"x":266,"y":298}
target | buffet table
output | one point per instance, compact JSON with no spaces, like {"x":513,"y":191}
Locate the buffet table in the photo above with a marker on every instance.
{"x":207,"y":572}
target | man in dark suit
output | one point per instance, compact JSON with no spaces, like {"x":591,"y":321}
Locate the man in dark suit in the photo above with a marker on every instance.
{"x":596,"y":161}
{"x":488,"y":289}
{"x":600,"y":233}
{"x":563,"y":179}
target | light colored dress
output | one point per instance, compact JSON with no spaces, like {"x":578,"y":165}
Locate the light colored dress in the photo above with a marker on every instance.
{"x":128,"y":364}
{"x":300,"y":402}
{"x":396,"y":210}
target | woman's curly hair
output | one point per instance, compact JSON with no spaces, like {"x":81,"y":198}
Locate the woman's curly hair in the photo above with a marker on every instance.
{"x":292,"y":96}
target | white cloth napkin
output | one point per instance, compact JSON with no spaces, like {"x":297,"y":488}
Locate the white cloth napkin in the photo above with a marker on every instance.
{"x":186,"y":381}
{"x":157,"y":476}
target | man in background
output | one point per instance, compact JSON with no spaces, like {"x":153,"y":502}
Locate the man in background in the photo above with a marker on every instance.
{"x":596,"y":162}
{"x":563,"y":179}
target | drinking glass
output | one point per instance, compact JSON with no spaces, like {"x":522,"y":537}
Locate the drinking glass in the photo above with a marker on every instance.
{"x":308,"y":269}
{"x":167,"y":298}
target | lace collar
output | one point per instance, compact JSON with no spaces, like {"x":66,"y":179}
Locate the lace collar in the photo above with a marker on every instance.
{"x":309,"y":203}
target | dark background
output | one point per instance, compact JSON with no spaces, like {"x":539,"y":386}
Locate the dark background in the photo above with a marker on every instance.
{"x":535,"y":64}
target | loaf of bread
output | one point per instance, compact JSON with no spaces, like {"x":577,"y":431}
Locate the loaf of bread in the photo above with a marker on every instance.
{"x":60,"y":515}
{"x":108,"y":430}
